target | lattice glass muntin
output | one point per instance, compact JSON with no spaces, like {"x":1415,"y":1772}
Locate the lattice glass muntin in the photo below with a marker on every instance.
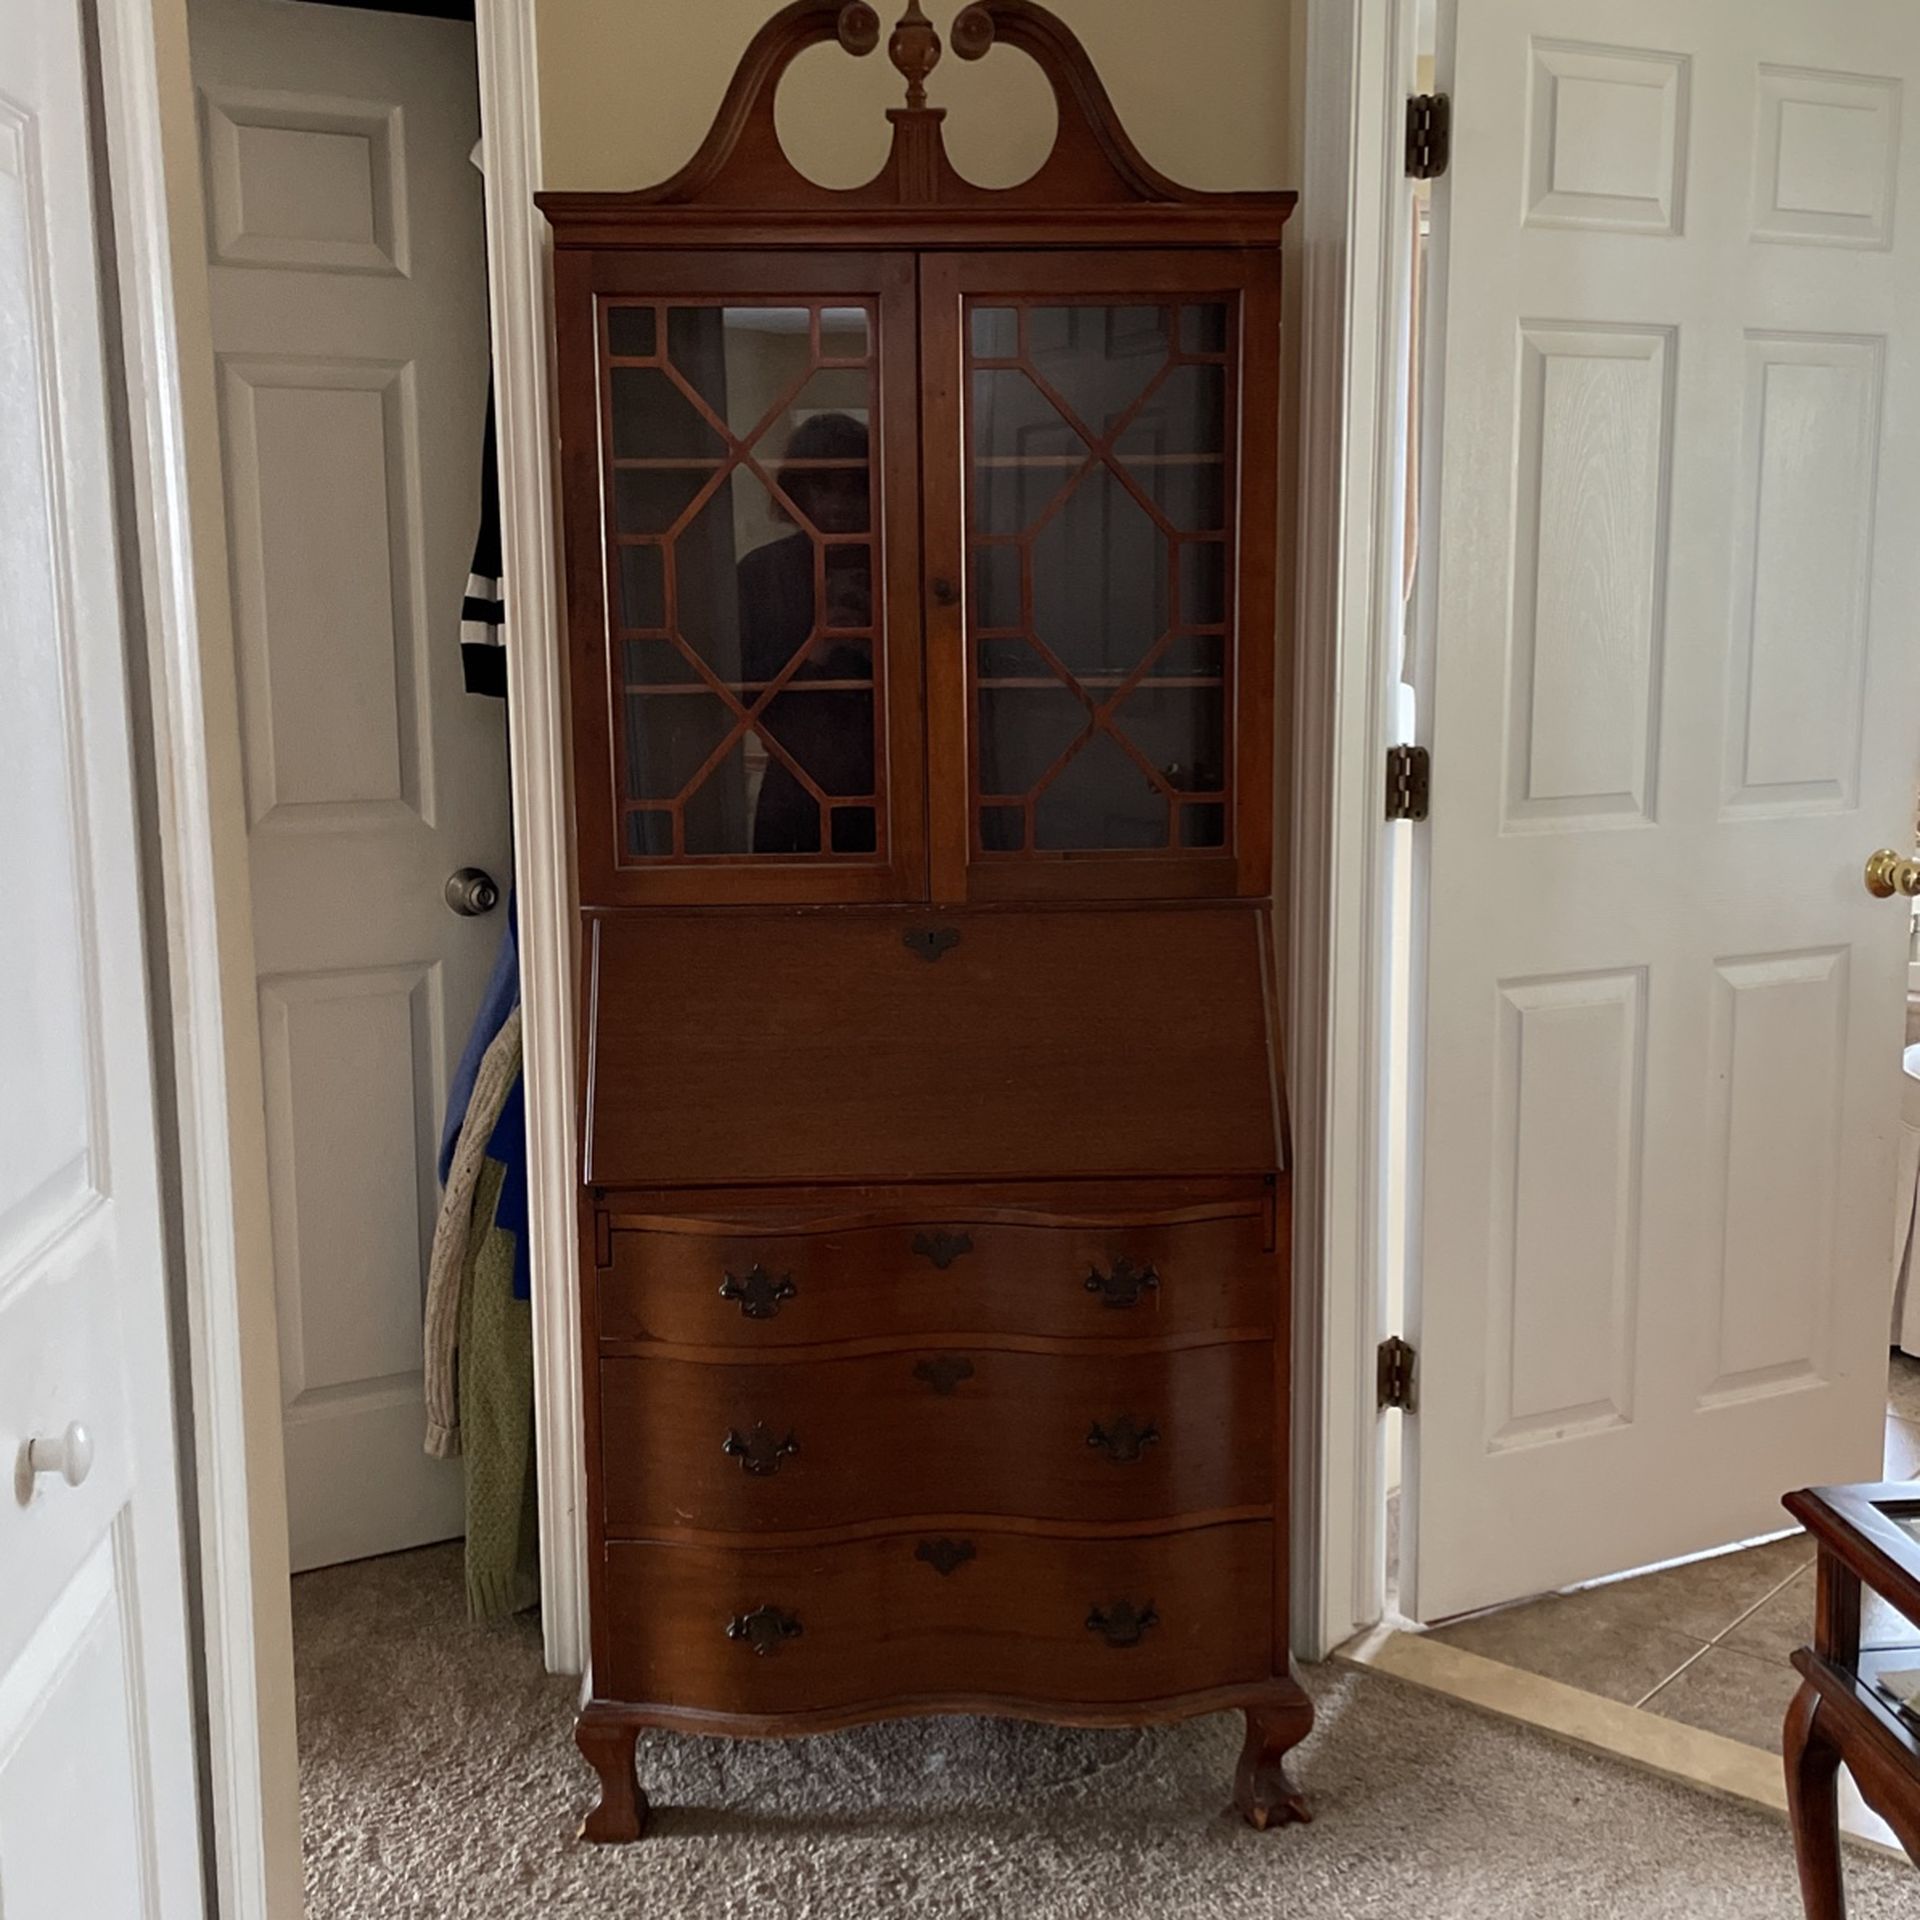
{"x":1100,"y":516}
{"x":744,"y":602}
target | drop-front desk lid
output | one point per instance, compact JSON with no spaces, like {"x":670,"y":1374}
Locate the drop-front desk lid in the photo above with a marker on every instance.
{"x":906,"y":1044}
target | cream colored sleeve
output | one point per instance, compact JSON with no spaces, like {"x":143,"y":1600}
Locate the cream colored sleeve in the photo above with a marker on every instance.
{"x":499,"y":1069}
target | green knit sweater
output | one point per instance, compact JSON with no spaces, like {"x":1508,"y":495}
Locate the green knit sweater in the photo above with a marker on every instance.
{"x":496,"y":1418}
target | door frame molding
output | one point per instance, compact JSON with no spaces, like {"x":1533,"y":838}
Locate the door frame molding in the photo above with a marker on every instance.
{"x":209,"y":1084}
{"x":208,"y":1079}
{"x":1355,"y":257}
{"x":520,"y":275}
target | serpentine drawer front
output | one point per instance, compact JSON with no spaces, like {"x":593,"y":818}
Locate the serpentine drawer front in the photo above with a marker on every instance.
{"x":804,"y":1442}
{"x":981,"y":1268}
{"x":1022,"y":1618}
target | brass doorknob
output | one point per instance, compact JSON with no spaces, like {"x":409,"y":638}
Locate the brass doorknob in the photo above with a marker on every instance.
{"x":1888,"y":873}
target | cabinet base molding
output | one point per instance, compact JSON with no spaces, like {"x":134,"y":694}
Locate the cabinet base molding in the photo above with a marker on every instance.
{"x":1279,"y":1716}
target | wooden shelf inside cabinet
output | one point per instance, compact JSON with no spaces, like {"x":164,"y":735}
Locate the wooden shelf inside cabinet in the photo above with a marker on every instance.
{"x":919,"y":547}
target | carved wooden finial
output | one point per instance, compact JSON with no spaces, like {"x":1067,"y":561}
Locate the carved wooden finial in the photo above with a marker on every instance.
{"x":915,"y":50}
{"x":859,"y":27}
{"x":972,"y":32}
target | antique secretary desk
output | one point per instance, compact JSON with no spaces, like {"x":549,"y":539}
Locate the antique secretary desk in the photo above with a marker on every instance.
{"x":919,"y":558}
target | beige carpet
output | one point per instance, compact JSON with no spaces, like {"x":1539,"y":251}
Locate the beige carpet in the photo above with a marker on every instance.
{"x":440,"y":1779}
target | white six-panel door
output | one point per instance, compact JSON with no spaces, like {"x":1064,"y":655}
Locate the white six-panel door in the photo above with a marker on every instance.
{"x":97,"y":1753}
{"x":1674,"y":520}
{"x":349,"y":314}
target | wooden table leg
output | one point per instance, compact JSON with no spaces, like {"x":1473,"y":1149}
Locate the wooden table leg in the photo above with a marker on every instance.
{"x":1813,"y":1803}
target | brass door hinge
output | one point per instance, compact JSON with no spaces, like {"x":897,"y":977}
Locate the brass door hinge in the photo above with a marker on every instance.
{"x":1429,"y":135}
{"x":1409,"y":782}
{"x":1396,"y":1367}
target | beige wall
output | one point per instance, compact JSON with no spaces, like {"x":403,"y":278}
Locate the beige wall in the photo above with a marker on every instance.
{"x":1208,"y":88}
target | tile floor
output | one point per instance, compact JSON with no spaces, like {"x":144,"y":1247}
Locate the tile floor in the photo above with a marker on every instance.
{"x":1707,"y":1643}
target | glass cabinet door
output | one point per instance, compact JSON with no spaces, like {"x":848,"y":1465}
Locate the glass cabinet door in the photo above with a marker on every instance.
{"x":755,"y":446}
{"x":1100,"y":526}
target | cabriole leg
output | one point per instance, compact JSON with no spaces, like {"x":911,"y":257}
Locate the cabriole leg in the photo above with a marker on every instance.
{"x":1262,"y":1792}
{"x":608,"y":1742}
{"x":1813,"y":1805}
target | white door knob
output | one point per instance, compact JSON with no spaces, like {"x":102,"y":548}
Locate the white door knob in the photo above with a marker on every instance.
{"x":70,"y":1456}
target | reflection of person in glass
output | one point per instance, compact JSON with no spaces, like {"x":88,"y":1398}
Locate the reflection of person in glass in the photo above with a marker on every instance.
{"x":785,"y":604}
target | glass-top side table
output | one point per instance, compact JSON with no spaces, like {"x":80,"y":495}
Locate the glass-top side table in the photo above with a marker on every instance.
{"x":1857,"y":1704}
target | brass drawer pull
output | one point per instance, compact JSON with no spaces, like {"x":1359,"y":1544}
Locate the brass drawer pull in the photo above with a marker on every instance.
{"x":1123,"y":1286}
{"x":944,"y":1371}
{"x":1122,"y":1624}
{"x":1125,"y":1440}
{"x":758,"y":1292}
{"x":943,"y":1556}
{"x":759,"y":1453}
{"x":765,"y":1629}
{"x":943,"y":1248}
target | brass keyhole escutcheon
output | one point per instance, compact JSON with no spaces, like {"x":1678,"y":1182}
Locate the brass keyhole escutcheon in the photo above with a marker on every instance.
{"x":942,"y":1248}
{"x":1124,"y":1440}
{"x":944,"y":1371}
{"x":758,"y":1292}
{"x":944,"y":1556}
{"x":759,"y":1452}
{"x":765,"y":1629}
{"x":930,"y":942}
{"x":1122,"y":1624}
{"x":1123,"y":1284}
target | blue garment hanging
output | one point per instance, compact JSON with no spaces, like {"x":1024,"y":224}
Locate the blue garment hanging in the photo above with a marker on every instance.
{"x":502,"y":995}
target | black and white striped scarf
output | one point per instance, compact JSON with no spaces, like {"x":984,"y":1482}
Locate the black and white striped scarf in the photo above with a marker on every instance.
{"x":483,"y":612}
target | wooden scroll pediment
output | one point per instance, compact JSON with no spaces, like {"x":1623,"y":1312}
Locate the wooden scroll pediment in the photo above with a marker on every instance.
{"x":1093,"y":165}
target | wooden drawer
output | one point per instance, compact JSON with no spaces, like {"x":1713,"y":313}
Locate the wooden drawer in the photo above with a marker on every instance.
{"x":936,"y":1619}
{"x":726,"y":1283}
{"x":783,"y":1445}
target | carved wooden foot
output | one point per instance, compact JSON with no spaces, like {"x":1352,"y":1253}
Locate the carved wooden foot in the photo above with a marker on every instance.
{"x":608,"y":1743}
{"x":1813,"y":1805}
{"x":1262,"y":1792}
